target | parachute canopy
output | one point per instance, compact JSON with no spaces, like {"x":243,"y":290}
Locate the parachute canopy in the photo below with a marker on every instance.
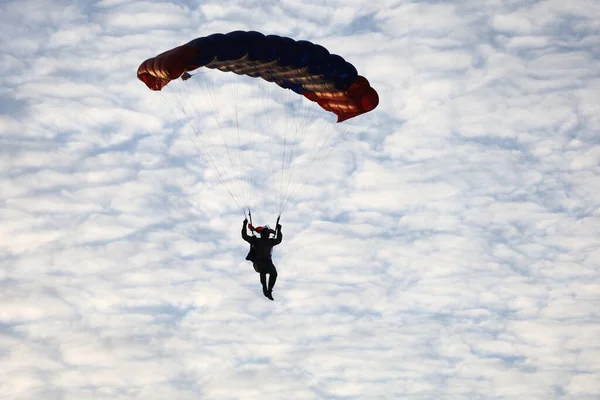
{"x":301,"y":66}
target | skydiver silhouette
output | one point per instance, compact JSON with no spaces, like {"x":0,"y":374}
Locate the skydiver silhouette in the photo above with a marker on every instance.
{"x":260,"y":252}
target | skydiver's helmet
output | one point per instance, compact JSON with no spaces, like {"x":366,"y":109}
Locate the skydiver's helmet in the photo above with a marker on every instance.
{"x":264,"y":231}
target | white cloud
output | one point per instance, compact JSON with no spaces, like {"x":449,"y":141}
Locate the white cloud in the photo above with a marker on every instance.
{"x":148,"y":16}
{"x":447,"y":247}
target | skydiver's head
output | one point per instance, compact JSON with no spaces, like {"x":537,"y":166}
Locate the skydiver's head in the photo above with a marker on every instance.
{"x":265,"y":232}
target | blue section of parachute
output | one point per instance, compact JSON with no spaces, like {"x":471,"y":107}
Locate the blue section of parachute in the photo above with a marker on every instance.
{"x":303,"y":57}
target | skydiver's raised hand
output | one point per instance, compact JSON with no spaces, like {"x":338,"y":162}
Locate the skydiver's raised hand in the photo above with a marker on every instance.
{"x":278,"y":227}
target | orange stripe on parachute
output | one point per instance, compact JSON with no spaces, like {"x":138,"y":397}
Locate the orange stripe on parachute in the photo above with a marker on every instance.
{"x":358,"y":99}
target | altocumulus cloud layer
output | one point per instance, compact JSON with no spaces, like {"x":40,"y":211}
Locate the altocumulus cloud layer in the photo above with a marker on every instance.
{"x":449,"y":250}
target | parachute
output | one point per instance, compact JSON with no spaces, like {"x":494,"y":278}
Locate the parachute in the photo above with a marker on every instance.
{"x":305,"y":68}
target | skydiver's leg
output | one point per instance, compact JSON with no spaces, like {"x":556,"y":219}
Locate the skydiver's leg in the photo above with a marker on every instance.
{"x":272,"y":279}
{"x":263,"y":281}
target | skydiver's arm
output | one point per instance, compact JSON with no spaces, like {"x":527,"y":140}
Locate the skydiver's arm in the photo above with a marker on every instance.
{"x":245,"y":235}
{"x":278,"y":237}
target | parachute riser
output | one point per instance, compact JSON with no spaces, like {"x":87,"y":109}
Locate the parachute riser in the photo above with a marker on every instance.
{"x":251,"y":224}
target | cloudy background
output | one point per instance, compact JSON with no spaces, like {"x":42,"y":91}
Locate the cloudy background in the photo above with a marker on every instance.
{"x":450,"y":250}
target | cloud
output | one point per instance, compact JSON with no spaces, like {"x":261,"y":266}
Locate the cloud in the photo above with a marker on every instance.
{"x":447,"y":247}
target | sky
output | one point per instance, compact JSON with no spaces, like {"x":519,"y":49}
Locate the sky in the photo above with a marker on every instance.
{"x":448,"y":247}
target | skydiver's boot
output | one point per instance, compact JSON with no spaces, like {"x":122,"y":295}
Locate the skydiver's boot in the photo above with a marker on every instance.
{"x":270,"y":295}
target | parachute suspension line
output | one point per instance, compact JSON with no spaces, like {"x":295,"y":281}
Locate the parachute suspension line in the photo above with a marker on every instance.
{"x":260,"y":107}
{"x":209,"y":145}
{"x":215,"y":109}
{"x":209,"y":87}
{"x":213,"y":155}
{"x":303,"y":128}
{"x":300,"y":128}
{"x":285,"y":133}
{"x":255,"y":127}
{"x":198,"y":132}
{"x":302,"y":179}
{"x":243,"y":177}
{"x":249,"y":171}
{"x":221,"y":172}
{"x":261,"y":103}
{"x":198,"y":149}
{"x":287,"y":104}
{"x":271,"y":138}
{"x":270,"y":125}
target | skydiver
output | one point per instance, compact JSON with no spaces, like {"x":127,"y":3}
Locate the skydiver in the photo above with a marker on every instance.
{"x":261,"y":249}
